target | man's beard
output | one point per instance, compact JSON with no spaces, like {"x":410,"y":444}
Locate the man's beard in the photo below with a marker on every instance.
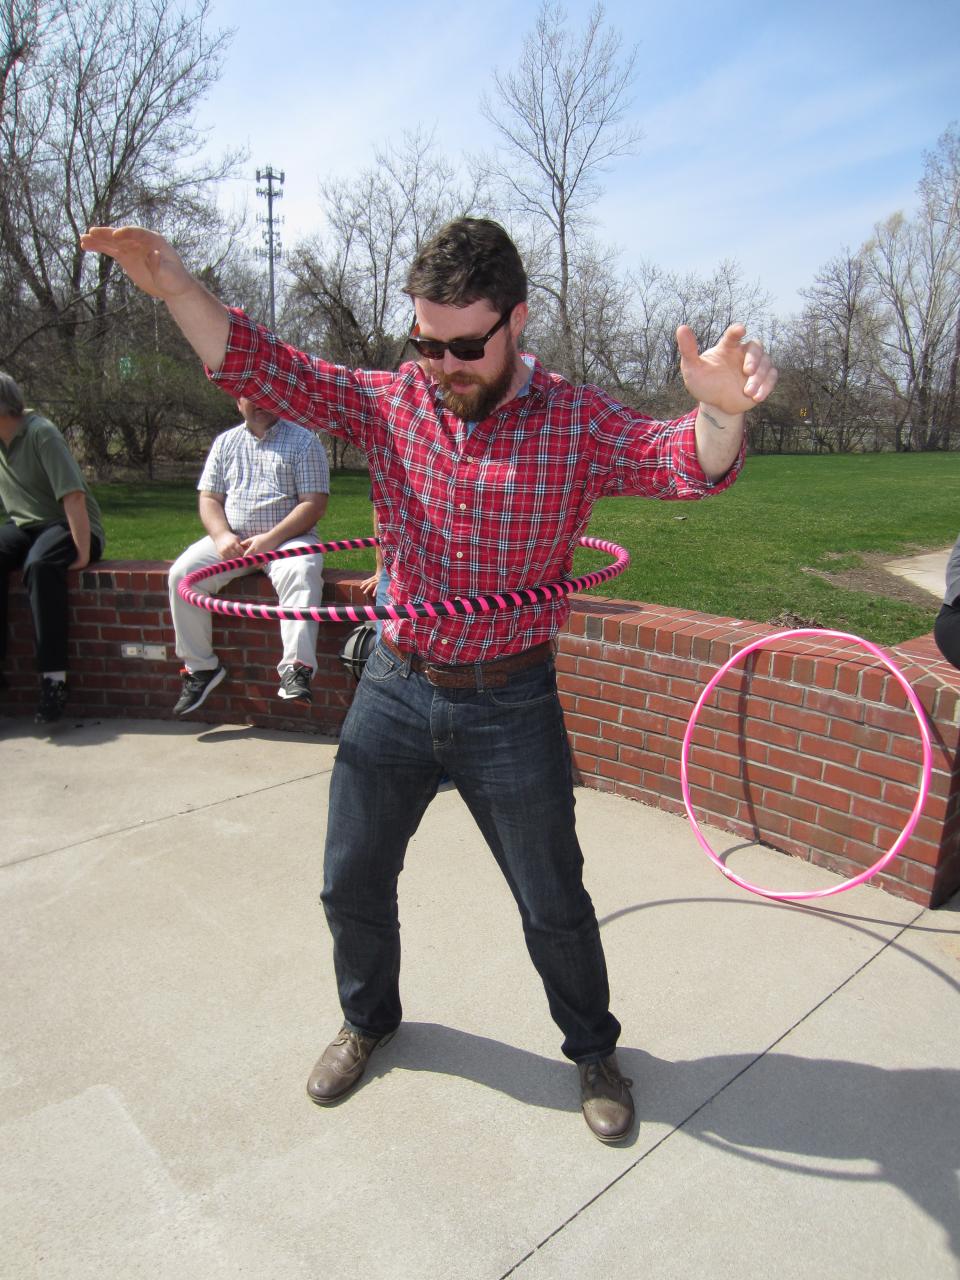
{"x":483,"y":398}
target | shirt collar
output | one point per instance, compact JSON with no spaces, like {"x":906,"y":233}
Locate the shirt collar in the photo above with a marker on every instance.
{"x":266,"y":435}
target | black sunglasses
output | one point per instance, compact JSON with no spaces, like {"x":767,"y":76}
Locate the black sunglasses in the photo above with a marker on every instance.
{"x":459,"y":348}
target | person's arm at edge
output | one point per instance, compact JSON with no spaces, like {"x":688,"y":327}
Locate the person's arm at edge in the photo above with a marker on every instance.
{"x":78,"y":518}
{"x":369,"y":585}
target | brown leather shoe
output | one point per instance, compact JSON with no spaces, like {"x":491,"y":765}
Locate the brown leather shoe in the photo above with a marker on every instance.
{"x":341,"y":1065}
{"x":605,"y":1099}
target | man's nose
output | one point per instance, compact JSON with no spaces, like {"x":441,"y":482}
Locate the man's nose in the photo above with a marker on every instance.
{"x":450,"y":363}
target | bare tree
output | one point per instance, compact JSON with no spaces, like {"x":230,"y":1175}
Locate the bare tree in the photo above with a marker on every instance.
{"x":833,"y":351}
{"x":346,"y":296}
{"x":96,"y":127}
{"x":914,"y":269}
{"x":940,"y":192}
{"x":560,"y":117}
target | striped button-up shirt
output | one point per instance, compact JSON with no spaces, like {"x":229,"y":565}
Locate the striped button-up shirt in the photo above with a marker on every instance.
{"x":263,"y":479}
{"x":459,"y":514}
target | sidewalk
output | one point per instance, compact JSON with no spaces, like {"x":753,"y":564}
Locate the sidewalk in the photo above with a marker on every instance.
{"x":168,"y":987}
{"x":928,"y":571}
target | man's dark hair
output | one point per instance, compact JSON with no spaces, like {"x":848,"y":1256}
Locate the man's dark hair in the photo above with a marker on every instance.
{"x":469,"y":259}
{"x":11,"y":397}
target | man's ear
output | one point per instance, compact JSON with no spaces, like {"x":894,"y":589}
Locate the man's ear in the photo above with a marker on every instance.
{"x":518,"y":320}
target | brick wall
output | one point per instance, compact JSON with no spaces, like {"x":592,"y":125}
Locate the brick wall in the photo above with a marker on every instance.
{"x":123,"y":602}
{"x":811,"y":748}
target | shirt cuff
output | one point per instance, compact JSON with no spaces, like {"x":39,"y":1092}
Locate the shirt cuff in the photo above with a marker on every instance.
{"x":242,"y":357}
{"x":692,"y":481}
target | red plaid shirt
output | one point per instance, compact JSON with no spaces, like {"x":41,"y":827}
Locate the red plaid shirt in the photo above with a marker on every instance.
{"x":458,"y":515}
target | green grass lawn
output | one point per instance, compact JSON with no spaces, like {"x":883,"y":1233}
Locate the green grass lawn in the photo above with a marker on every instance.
{"x":741,"y":554}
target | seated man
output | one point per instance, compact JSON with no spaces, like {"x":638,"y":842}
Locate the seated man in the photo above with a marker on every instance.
{"x":264,"y":486}
{"x":946,"y":629}
{"x":53,"y":525}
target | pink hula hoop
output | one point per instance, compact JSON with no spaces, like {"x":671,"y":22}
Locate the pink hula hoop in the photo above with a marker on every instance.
{"x":459,"y":606}
{"x":926,"y":769}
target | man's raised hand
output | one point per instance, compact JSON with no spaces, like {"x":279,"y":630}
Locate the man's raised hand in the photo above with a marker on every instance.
{"x":155,"y":267}
{"x":151,"y":263}
{"x":733,"y":376}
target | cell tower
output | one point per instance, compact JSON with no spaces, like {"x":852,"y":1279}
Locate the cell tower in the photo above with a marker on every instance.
{"x":272,"y":190}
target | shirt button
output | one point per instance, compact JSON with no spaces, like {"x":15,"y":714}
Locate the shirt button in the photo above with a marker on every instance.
{"x":468,"y":459}
{"x":459,"y":555}
{"x":463,"y":506}
{"x":444,"y":641}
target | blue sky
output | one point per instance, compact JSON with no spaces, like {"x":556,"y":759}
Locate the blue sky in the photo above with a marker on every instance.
{"x":776,"y":137}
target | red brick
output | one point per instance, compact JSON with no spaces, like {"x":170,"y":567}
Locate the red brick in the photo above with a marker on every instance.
{"x":646,"y":681}
{"x":899,"y":722}
{"x":673,"y":708}
{"x":859,"y":735}
{"x":777,"y":691}
{"x":790,"y":806}
{"x":640,"y":759}
{"x":835,"y":707}
{"x":591,"y":668}
{"x":594,"y":746}
{"x":580,"y":687}
{"x":794,"y":762}
{"x":613,"y":733}
{"x":770,"y":734}
{"x":828,"y":749}
{"x":802,"y":718}
{"x":848,"y":825}
{"x":718,"y":762}
{"x":817,"y":792}
{"x":872,"y":685}
{"x":622,"y":772}
{"x":701,"y":779}
{"x":772,"y":779}
{"x":667,"y":743}
{"x":887,"y":767}
{"x":640,"y":717}
{"x":736,"y":744}
{"x":600,"y":710}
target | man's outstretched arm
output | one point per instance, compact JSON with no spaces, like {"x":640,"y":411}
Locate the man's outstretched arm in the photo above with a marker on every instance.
{"x":155,"y":267}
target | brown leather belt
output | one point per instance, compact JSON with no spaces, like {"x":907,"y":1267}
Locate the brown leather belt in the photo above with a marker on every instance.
{"x":474,"y":675}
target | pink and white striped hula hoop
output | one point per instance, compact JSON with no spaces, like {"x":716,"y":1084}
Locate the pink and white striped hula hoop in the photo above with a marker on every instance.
{"x":926,"y":767}
{"x":458,"y":606}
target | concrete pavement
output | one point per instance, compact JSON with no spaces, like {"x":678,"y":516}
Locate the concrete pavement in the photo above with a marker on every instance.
{"x":928,"y":571}
{"x":168,"y":987}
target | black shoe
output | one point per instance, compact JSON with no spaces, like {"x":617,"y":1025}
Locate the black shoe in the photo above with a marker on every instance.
{"x":196,"y":686}
{"x":295,"y":684}
{"x":53,"y":700}
{"x":605,"y":1099}
{"x":341,"y":1065}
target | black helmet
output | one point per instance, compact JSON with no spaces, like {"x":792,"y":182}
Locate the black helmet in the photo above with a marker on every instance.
{"x":358,"y":647}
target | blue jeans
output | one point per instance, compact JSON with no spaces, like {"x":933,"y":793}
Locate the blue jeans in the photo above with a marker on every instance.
{"x":506,"y":750}
{"x":43,"y":554}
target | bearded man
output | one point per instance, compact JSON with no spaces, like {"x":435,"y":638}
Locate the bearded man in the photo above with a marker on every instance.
{"x":484,"y":470}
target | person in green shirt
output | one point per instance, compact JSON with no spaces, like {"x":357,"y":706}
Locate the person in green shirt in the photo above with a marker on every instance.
{"x":53,"y":525}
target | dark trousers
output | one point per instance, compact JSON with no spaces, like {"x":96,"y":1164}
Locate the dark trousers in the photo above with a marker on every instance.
{"x":946,"y":632}
{"x":43,"y":555}
{"x":506,"y":750}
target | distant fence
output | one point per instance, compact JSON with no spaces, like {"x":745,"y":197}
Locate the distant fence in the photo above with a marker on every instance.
{"x":814,"y":754}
